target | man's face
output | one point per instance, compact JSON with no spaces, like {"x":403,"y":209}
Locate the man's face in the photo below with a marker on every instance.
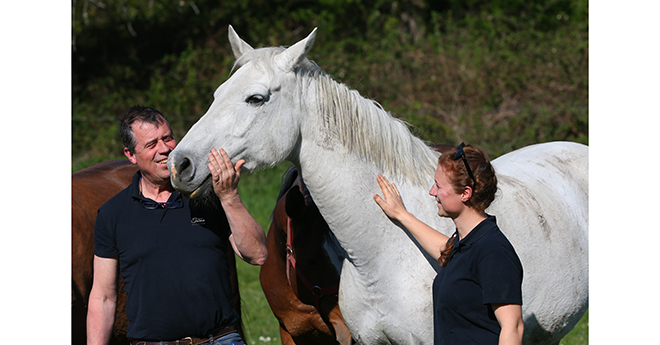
{"x":153,"y":143}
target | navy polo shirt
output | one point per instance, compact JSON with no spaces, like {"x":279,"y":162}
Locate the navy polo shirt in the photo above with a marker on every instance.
{"x":174,"y":265}
{"x":483,"y":269}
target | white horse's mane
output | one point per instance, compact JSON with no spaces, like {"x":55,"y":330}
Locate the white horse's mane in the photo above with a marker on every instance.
{"x":359,"y":124}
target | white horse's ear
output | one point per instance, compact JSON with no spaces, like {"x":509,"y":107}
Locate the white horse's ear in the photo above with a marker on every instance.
{"x":295,"y":53}
{"x":237,"y":44}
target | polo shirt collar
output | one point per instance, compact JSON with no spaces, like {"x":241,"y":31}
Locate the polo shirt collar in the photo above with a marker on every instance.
{"x":135,"y":186}
{"x":477,"y":233}
{"x":135,"y":190}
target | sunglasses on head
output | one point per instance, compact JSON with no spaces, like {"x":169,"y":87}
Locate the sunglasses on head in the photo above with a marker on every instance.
{"x":461,"y":154}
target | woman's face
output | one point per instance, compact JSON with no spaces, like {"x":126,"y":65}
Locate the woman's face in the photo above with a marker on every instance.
{"x":450,"y":203}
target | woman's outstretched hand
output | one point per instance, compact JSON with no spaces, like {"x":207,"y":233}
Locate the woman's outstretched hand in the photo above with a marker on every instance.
{"x":391,"y":202}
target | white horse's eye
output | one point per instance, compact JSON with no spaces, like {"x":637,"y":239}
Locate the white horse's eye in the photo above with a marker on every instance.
{"x":255,"y":99}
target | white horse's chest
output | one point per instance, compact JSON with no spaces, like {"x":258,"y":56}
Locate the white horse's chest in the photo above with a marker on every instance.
{"x":382,"y":259}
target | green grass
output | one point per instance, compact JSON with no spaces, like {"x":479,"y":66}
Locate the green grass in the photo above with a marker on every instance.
{"x":580,"y":334}
{"x":258,"y":319}
{"x":259,"y":193}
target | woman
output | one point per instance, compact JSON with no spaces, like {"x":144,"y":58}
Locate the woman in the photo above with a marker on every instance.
{"x":477,"y":294}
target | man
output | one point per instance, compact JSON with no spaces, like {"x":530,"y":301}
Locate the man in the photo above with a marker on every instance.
{"x":169,"y":250}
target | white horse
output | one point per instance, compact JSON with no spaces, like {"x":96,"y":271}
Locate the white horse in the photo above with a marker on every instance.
{"x":277,"y":105}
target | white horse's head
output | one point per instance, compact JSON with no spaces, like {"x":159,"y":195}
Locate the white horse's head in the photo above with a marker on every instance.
{"x":253,"y":115}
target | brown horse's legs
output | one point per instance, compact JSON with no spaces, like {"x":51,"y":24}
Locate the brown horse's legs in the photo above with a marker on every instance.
{"x":341,"y":331}
{"x":286,"y":337}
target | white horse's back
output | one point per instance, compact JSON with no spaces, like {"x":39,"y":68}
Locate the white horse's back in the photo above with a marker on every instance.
{"x":542,"y":207}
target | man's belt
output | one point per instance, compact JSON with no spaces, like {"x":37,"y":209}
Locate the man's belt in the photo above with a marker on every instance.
{"x":189,"y":340}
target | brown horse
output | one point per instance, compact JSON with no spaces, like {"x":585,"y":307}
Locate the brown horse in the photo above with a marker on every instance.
{"x":91,"y":188}
{"x":301,"y":275}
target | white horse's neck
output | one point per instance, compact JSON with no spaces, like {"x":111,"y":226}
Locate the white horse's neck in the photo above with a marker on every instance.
{"x":347,"y":141}
{"x":362,"y":127}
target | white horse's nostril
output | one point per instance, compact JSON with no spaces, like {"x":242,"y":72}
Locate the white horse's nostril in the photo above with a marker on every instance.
{"x":183,"y":171}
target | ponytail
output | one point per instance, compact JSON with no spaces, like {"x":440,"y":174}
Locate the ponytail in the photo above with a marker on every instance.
{"x":443,"y":260}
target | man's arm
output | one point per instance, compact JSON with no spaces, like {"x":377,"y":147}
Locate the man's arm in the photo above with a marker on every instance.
{"x":102,"y":301}
{"x":248,"y":238}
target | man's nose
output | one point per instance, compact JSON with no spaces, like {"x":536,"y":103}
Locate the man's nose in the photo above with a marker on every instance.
{"x":163,"y":147}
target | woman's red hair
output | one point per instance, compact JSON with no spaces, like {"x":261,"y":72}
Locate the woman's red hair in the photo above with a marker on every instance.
{"x":483,"y":188}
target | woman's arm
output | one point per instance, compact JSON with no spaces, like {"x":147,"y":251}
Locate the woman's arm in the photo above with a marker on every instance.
{"x":510,"y":318}
{"x":430,"y":239}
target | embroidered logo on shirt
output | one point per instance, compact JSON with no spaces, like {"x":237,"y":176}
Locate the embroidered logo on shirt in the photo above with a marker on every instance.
{"x":198,"y":220}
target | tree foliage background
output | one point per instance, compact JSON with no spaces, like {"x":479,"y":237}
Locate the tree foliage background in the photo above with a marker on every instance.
{"x":497,"y":74}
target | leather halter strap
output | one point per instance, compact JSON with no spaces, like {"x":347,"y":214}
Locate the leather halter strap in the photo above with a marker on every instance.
{"x":316,"y":290}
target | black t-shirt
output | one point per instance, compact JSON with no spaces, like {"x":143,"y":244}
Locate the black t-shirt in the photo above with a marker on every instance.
{"x":173,"y":262}
{"x":483,"y":269}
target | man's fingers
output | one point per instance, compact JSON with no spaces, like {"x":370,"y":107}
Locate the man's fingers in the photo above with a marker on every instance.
{"x":214,"y":158}
{"x":225,"y":158}
{"x":238,"y":166}
{"x":221,"y":161}
{"x":214,"y":165}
